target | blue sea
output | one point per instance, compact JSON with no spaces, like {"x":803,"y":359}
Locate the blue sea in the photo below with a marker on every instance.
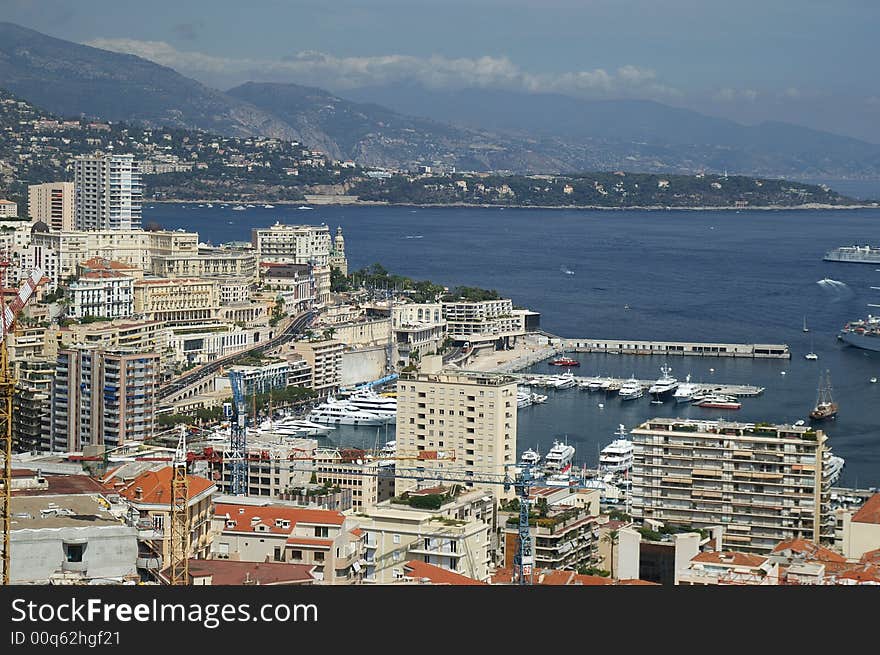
{"x":744,"y":276}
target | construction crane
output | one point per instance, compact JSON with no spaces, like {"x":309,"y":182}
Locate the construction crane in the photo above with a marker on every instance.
{"x":8,"y":313}
{"x":178,"y":570}
{"x":238,"y":435}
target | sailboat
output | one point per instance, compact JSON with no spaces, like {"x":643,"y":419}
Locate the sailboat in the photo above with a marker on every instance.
{"x":825,"y":405}
{"x":806,"y":329}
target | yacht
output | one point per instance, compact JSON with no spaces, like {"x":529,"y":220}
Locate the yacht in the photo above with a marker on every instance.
{"x":618,"y":455}
{"x":595,"y":385}
{"x":341,"y":412}
{"x":303,"y":207}
{"x":538,"y":399}
{"x":631,"y":390}
{"x":523,"y":399}
{"x":530,"y":458}
{"x":268,"y":206}
{"x":718,"y":401}
{"x":370,"y":401}
{"x":665,"y":386}
{"x":833,"y":467}
{"x":295,"y":427}
{"x":239,"y":208}
{"x":811,"y":356}
{"x":558,"y":459}
{"x":564,"y":381}
{"x":686,"y":391}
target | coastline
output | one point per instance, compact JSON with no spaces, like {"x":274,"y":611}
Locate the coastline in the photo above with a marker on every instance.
{"x":378,"y":203}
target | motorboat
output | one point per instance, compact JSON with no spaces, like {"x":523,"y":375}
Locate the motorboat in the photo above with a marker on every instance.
{"x":665,"y":386}
{"x":686,"y":391}
{"x":631,"y":390}
{"x":523,"y":399}
{"x":559,"y":458}
{"x":565,"y":361}
{"x":811,"y":356}
{"x":618,"y":455}
{"x":530,"y":458}
{"x":538,"y":399}
{"x":564,"y":381}
{"x":239,"y":208}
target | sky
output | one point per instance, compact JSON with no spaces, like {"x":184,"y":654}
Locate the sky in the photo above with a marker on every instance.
{"x":806,"y":62}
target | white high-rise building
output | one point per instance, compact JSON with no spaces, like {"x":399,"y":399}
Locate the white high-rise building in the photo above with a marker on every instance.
{"x":108,"y":192}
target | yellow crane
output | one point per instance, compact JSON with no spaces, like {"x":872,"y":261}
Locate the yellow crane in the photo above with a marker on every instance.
{"x":8,"y":314}
{"x":178,"y":570}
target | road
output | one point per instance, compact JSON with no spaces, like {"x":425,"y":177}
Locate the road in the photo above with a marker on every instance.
{"x":296,"y":325}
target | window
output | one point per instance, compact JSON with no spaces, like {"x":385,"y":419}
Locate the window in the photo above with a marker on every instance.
{"x":279,"y":554}
{"x":296,"y":555}
{"x":397,"y":573}
{"x":322,"y":532}
{"x":74,"y":552}
{"x":396,"y":539}
{"x":319,"y":556}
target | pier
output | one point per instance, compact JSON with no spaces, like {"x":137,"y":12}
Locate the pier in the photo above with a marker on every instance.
{"x":614,"y":384}
{"x":682,"y":348}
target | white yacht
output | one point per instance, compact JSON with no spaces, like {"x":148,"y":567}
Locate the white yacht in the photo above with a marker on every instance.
{"x":686,"y":391}
{"x":523,"y":398}
{"x":558,"y":459}
{"x":564,"y":381}
{"x":296,"y":427}
{"x":833,"y":467}
{"x":665,"y":386}
{"x":595,"y":385}
{"x":268,"y":206}
{"x":530,"y":458}
{"x":239,"y":208}
{"x":618,"y":455}
{"x":342,"y":412}
{"x":538,"y":399}
{"x":370,"y":401}
{"x":631,"y":390}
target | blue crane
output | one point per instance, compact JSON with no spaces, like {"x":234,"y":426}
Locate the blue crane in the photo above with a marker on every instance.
{"x":238,"y":436}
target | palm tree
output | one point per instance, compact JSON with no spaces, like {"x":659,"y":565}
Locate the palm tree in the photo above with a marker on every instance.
{"x":611,"y":538}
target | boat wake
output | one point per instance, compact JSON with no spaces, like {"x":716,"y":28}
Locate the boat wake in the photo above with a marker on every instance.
{"x":414,"y":236}
{"x":838,"y":290}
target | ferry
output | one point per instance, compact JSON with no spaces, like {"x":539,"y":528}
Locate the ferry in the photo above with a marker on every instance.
{"x":631,"y":390}
{"x":863,"y":334}
{"x":685,"y":392}
{"x":718,"y":401}
{"x":339,"y":412}
{"x":617,"y":456}
{"x":665,"y":386}
{"x":559,"y":458}
{"x":565,"y":361}
{"x":854,"y":255}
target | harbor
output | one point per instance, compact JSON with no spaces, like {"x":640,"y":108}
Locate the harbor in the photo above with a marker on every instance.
{"x":609,"y":384}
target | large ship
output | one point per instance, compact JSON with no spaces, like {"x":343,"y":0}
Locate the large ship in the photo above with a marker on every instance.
{"x":864,"y":333}
{"x":558,"y":459}
{"x":664,"y":387}
{"x":339,"y":412}
{"x":617,"y":457}
{"x":854,"y":255}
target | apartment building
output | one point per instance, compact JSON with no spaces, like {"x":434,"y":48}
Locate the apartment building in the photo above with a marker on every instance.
{"x":103,"y":294}
{"x":485,"y":321}
{"x":33,"y":393}
{"x":274,"y":468}
{"x":730,"y":568}
{"x":396,"y":534}
{"x":294,"y":282}
{"x":325,"y":361}
{"x":267,"y":532}
{"x":177,"y":301}
{"x":148,"y":496}
{"x":102,"y":397}
{"x":108,"y":192}
{"x":337,"y":468}
{"x":763,"y":483}
{"x":53,"y":203}
{"x":297,"y":244}
{"x":860,"y":529}
{"x":263,"y":378}
{"x":474,"y":414}
{"x":207,"y":262}
{"x":8,"y":209}
{"x":15,"y":240}
{"x":199,"y":344}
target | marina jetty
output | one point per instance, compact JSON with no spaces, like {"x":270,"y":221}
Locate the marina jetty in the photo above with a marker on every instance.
{"x":666,"y":348}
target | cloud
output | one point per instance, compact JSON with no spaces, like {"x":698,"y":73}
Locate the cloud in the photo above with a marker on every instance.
{"x":339,"y":73}
{"x":735,"y":95}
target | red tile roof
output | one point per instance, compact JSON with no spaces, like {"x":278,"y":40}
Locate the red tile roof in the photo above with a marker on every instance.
{"x":437,"y":575}
{"x":872,"y":556}
{"x":100,"y":263}
{"x":502,"y":576}
{"x":62,"y":484}
{"x":636,"y":582}
{"x":230,"y":572}
{"x":555,"y":577}
{"x":309,"y":541}
{"x":731,"y":558}
{"x":870,"y":511}
{"x":591,"y":580}
{"x":809,"y":550}
{"x":243,"y":516}
{"x":156,"y":487}
{"x":862,"y":573}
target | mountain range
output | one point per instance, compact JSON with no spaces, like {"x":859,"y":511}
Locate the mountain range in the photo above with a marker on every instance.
{"x":402,"y":125}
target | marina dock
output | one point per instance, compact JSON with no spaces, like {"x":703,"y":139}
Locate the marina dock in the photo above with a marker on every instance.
{"x":683,"y":348}
{"x":543,"y":380}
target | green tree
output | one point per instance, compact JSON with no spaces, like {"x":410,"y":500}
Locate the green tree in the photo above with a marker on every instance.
{"x":611,"y":538}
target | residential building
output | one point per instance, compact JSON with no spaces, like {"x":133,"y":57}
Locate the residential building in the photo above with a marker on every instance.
{"x":730,"y":568}
{"x":293,"y":282}
{"x":15,"y":241}
{"x":199,"y":344}
{"x":207,"y":262}
{"x":148,"y":496}
{"x":764,"y":483}
{"x":263,"y":378}
{"x":119,"y":334}
{"x":53,"y":204}
{"x":396,"y":534}
{"x":326,"y":540}
{"x":8,"y":209}
{"x":102,"y":397}
{"x":297,"y":244}
{"x":69,"y":539}
{"x":33,"y":393}
{"x":103,"y":294}
{"x":324,"y":358}
{"x":227,"y":572}
{"x":108,"y":192}
{"x":345,"y":470}
{"x":177,"y":301}
{"x":275,"y":468}
{"x":472,"y":414}
{"x":418,"y":572}
{"x":861,"y":529}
